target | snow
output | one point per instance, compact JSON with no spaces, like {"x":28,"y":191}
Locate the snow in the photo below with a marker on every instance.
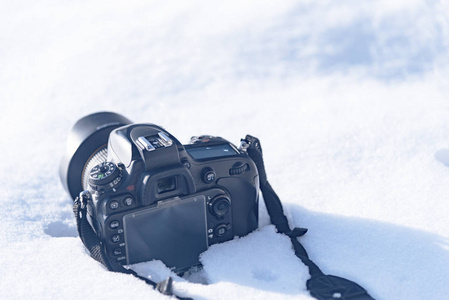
{"x":349,"y":99}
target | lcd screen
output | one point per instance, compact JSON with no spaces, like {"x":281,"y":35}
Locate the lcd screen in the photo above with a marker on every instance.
{"x":211,"y":151}
{"x":174,"y":232}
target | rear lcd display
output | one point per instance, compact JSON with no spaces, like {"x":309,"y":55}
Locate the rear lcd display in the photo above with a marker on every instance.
{"x":178,"y":226}
{"x":211,"y":151}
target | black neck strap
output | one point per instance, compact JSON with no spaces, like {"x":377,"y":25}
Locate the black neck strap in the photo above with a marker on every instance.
{"x":320,"y":286}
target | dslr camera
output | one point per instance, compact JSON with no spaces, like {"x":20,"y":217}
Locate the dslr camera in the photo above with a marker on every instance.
{"x":150,"y":197}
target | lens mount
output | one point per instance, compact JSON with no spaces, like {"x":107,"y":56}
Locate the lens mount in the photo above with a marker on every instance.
{"x":88,"y":137}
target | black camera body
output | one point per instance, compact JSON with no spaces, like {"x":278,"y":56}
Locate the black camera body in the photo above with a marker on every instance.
{"x":150,"y":197}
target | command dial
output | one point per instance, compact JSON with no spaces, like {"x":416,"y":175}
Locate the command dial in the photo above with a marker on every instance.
{"x":105,"y":175}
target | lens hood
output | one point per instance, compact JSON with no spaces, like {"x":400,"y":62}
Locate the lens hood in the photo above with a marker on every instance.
{"x":87,"y":136}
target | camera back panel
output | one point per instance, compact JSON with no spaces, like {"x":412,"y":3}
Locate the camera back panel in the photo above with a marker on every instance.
{"x":175,"y":231}
{"x":171,"y":201}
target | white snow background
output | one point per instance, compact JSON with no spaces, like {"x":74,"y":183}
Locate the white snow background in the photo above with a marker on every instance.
{"x":349,"y":98}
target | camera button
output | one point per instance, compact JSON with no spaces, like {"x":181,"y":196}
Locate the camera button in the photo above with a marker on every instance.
{"x":114,"y":224}
{"x":128,"y":201}
{"x":115,"y":238}
{"x":221,"y":230}
{"x":186,"y":163}
{"x":113,"y":204}
{"x":209,"y":176}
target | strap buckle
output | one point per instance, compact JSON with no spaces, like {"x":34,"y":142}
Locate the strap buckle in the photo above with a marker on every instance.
{"x":84,"y":197}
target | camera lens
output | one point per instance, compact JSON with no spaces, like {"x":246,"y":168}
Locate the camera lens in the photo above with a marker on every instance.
{"x":86,"y":148}
{"x":219,"y":206}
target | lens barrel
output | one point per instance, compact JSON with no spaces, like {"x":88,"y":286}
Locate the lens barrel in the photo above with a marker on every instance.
{"x":88,"y":139}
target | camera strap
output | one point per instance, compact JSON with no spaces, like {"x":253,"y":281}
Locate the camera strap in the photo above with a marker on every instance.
{"x":93,"y":244}
{"x":320,"y":285}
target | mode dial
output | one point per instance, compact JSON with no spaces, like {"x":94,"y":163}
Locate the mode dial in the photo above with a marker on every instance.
{"x":105,"y":175}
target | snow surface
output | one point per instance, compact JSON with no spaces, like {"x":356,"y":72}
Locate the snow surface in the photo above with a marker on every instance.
{"x":349,"y":98}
